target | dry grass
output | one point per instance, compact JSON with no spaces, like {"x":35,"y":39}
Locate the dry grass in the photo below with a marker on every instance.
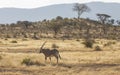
{"x":76,"y":59}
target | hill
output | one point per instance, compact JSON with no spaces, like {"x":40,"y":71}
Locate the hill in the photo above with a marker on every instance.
{"x":12,"y":15}
{"x":64,"y":28}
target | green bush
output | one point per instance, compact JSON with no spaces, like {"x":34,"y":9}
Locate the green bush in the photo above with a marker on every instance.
{"x":27,"y":61}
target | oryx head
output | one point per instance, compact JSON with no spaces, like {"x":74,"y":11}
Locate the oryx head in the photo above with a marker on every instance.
{"x":41,"y":49}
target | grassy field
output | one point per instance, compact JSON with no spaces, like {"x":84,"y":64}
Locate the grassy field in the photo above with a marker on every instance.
{"x":76,"y":58}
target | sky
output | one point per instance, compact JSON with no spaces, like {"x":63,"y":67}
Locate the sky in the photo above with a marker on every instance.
{"x":41,"y":3}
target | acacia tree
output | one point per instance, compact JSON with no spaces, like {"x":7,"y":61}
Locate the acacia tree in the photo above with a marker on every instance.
{"x":80,"y":9}
{"x":103,"y":18}
{"x":118,"y":22}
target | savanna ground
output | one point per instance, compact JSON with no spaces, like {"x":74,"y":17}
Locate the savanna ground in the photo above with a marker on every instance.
{"x":76,"y":58}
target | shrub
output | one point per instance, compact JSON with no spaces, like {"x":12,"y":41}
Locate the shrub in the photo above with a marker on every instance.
{"x":38,"y":63}
{"x":109,"y":43}
{"x":0,"y":57}
{"x":1,"y":42}
{"x":8,"y":36}
{"x":5,"y":39}
{"x":14,"y":41}
{"x":97,"y":48}
{"x":55,"y":46}
{"x":24,"y":39}
{"x":27,"y":61}
{"x":88,"y":43}
{"x":77,"y":40}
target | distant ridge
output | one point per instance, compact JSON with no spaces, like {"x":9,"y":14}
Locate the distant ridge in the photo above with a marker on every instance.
{"x":12,"y":15}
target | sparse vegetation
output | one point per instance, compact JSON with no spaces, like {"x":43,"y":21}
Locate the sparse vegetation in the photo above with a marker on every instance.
{"x":57,"y":28}
{"x":76,"y":59}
